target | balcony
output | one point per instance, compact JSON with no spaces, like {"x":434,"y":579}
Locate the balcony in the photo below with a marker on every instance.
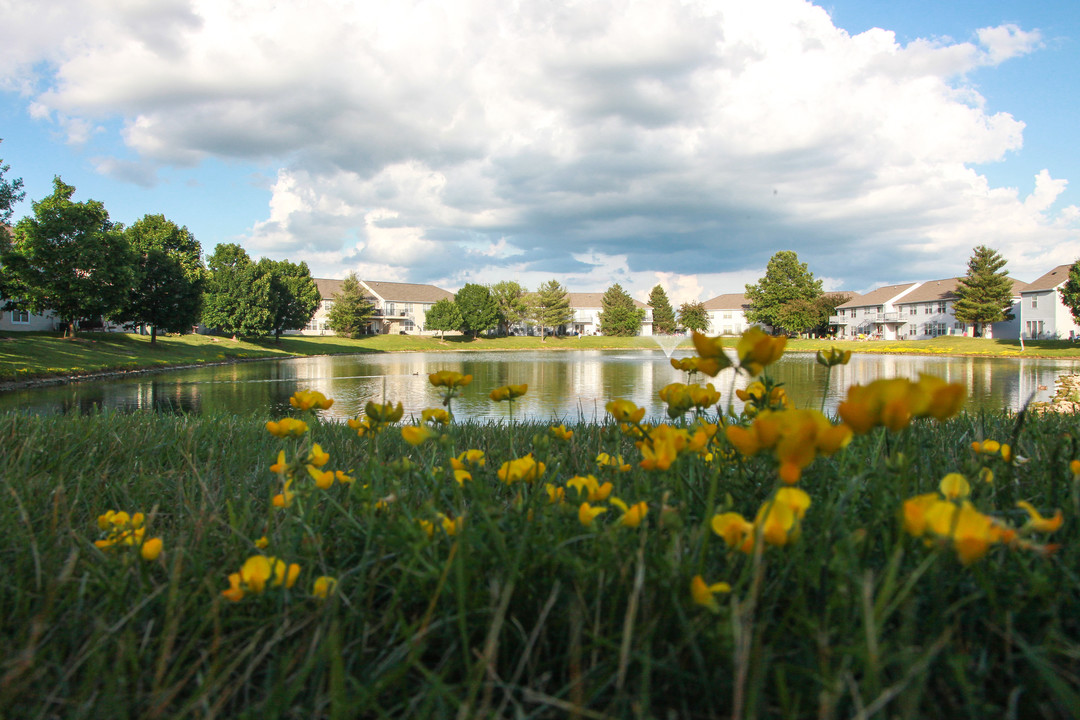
{"x":838,"y":319}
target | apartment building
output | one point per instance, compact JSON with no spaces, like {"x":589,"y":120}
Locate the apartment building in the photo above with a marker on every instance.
{"x":399,"y":307}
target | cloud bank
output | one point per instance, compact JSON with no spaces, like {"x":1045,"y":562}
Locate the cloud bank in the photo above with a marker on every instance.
{"x":597,"y":142}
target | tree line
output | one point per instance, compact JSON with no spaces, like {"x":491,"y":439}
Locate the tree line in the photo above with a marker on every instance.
{"x":69,"y":259}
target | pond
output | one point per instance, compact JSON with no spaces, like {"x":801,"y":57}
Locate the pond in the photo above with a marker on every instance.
{"x":563,"y":386}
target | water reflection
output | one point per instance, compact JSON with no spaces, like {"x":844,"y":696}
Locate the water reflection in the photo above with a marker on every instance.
{"x":562,"y":385}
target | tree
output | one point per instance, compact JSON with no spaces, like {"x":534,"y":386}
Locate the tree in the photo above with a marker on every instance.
{"x":1070,"y":291}
{"x":68,"y":258}
{"x":786,"y":280}
{"x":619,"y":316}
{"x":694,"y":316}
{"x":663,"y":316}
{"x":294,"y":296}
{"x":351,"y":309}
{"x":443,"y":315}
{"x":985,"y":294}
{"x":549,"y":307}
{"x":477,"y":307}
{"x":168,"y":276}
{"x":11,"y":192}
{"x":510,"y":299}
{"x":237,"y":297}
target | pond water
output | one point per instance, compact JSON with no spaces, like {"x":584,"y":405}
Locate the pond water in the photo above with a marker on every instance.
{"x":570,"y":385}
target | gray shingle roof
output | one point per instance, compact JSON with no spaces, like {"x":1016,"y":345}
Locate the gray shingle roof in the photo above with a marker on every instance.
{"x":1050,"y":280}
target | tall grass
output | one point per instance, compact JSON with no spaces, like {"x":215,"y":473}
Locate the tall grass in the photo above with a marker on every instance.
{"x":524,"y":612}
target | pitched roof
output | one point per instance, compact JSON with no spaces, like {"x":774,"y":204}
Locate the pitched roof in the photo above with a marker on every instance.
{"x":878,"y":297}
{"x":1050,"y":280}
{"x":593,"y":299}
{"x":932,"y":291}
{"x":728,"y":301}
{"x":408,"y":292}
{"x":328,"y":288}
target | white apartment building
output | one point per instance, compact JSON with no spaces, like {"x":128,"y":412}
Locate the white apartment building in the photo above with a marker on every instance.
{"x":727,"y":314}
{"x":399,"y":307}
{"x":873,"y":315}
{"x":1042,"y":314}
{"x":929,"y":312}
{"x":587,"y":308}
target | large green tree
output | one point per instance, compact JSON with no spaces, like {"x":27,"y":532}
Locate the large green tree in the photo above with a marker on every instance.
{"x":168,"y":276}
{"x":442,"y":316}
{"x":786,"y":281}
{"x":11,"y":192}
{"x":549,"y":307}
{"x":985,"y":294}
{"x":510,"y":299}
{"x":1070,"y":291}
{"x":478,"y":309}
{"x":351,"y":309}
{"x":694,"y":316}
{"x":237,"y":296}
{"x":294,"y":296}
{"x":68,"y":258}
{"x":663,"y":316}
{"x":619,"y":316}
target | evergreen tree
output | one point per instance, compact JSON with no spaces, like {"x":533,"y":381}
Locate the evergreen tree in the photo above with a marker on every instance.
{"x":510,"y":299}
{"x":985,"y":294}
{"x":786,"y":280}
{"x":694,"y":316}
{"x":1070,"y":291}
{"x":294,"y":296}
{"x":237,"y":296}
{"x":443,"y":315}
{"x":169,"y":276}
{"x":69,"y":259}
{"x":478,"y":309}
{"x":550,"y":307}
{"x":619,"y":316}
{"x":351,"y":309}
{"x":663,"y":316}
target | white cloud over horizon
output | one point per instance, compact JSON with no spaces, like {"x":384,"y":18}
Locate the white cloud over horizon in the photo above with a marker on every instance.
{"x":595,"y":142}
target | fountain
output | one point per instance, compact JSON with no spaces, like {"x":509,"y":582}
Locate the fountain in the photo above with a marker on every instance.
{"x":668,"y":343}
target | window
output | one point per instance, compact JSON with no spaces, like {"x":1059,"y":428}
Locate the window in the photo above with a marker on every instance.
{"x":408,"y":324}
{"x":327,"y":304}
{"x":941,"y":307}
{"x":727,"y":316}
{"x":1034,"y":301}
{"x":20,"y":317}
{"x":389,"y":308}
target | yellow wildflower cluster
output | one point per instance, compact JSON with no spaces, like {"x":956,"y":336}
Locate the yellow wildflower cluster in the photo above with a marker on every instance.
{"x":287,"y":427}
{"x":122,"y":529}
{"x":522,"y":469}
{"x":948,"y":517}
{"x":310,"y":399}
{"x":796,"y":437}
{"x":893,"y":403}
{"x":992,"y":447}
{"x":681,"y":398}
{"x":777,"y":521}
{"x":509,"y":392}
{"x":449,"y":526}
{"x":257,"y":573}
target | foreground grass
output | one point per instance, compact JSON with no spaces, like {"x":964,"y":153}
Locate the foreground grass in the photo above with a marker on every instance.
{"x":523,"y":612}
{"x":29,"y":356}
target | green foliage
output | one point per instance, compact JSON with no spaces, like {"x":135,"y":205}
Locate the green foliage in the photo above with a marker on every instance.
{"x":294,"y":296}
{"x":237,"y":297}
{"x":68,"y":258}
{"x":1070,"y":291}
{"x":510,"y":299}
{"x":619,"y":317}
{"x":442,"y":316}
{"x":479,"y":311}
{"x":985,"y":294}
{"x":694,"y":316}
{"x":11,"y":192}
{"x":169,"y":276}
{"x":550,"y":306}
{"x":351,"y":309}
{"x":786,"y":281}
{"x":663,"y":316}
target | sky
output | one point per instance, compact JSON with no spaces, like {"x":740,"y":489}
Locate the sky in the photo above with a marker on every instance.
{"x":668,"y":142}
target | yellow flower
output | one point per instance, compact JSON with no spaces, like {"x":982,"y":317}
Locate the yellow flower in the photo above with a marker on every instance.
{"x":262,"y":542}
{"x":361,"y":426}
{"x":588,"y":513}
{"x":343,"y":478}
{"x":435,"y":416}
{"x":625,"y":411}
{"x":590,"y":487}
{"x":255,"y":572}
{"x":280,"y":466}
{"x":383,"y":414}
{"x":662,"y":447}
{"x":632,"y":515}
{"x":523,"y":469}
{"x":287,"y":427}
{"x":561,"y":433}
{"x":756,"y":349}
{"x":970,"y":531}
{"x":234,"y":593}
{"x":449,"y":379}
{"x":307,"y":399}
{"x":323,"y":480}
{"x":1037,"y":522}
{"x":317,"y":457}
{"x":324,"y":586}
{"x":703,"y":397}
{"x":509,"y":392}
{"x":954,"y":486}
{"x":704,"y":594}
{"x":914,"y":511}
{"x":833,"y":356}
{"x":1074,"y":467}
{"x":283,"y":574}
{"x":151,"y":549}
{"x":417,"y":434}
{"x":736,"y":531}
{"x":556,"y":494}
{"x":605,"y":460}
{"x":469,"y":457}
{"x":285,"y":497}
{"x":461,"y":475}
{"x":452,"y":527}
{"x":710,"y":348}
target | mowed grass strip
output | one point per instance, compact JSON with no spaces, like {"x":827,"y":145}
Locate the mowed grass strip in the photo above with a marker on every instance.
{"x":524,"y":611}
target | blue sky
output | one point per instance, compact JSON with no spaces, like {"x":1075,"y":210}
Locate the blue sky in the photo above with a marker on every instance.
{"x":609,"y":141}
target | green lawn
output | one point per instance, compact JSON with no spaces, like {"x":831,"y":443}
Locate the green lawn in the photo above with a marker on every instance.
{"x":26,"y":356}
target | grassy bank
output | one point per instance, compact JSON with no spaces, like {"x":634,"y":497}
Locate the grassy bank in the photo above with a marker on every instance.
{"x":522,"y":610}
{"x":28,"y":356}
